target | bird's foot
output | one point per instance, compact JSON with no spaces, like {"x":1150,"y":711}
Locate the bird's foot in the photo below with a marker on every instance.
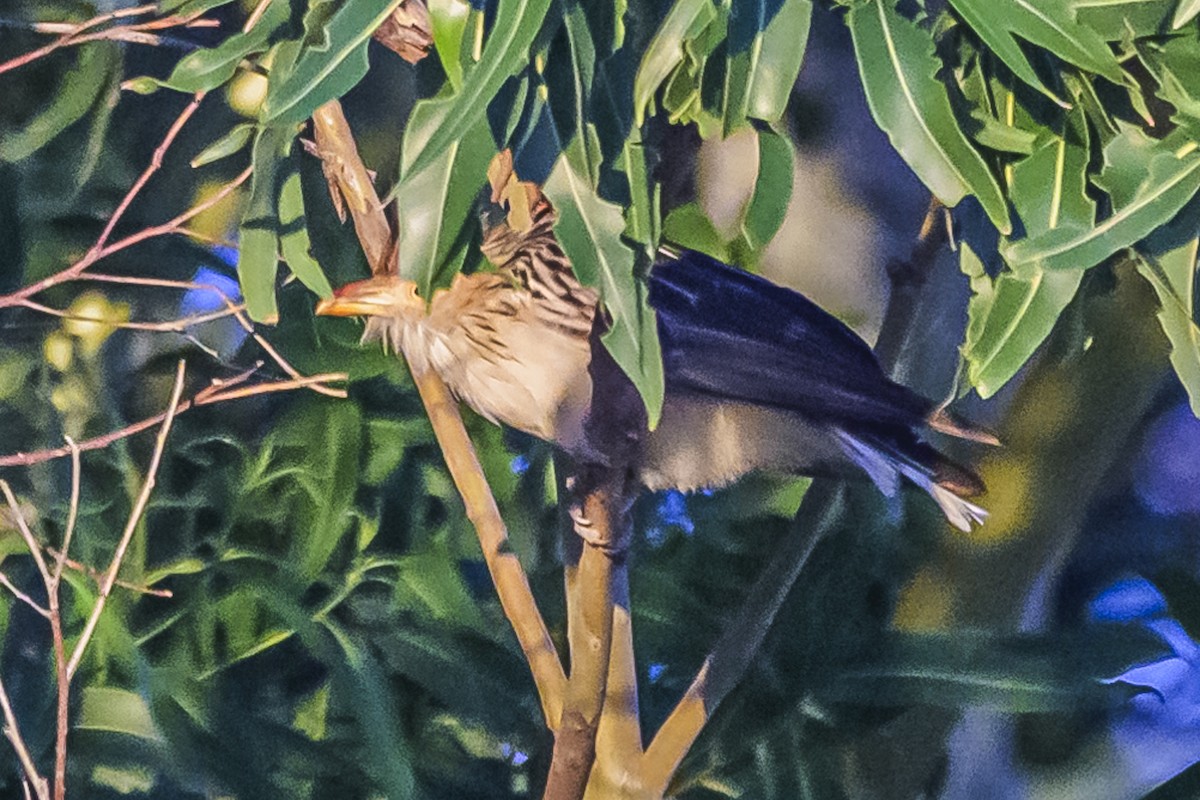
{"x":599,"y":511}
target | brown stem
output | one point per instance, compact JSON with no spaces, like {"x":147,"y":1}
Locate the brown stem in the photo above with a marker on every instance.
{"x":590,"y":604}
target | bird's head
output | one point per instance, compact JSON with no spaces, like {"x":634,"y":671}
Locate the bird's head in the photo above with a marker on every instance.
{"x":387,"y":296}
{"x":389,"y":303}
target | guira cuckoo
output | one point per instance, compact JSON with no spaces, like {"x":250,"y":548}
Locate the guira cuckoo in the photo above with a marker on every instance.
{"x":756,"y":375}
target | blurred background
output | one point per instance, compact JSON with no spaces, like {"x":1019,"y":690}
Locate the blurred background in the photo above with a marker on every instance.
{"x":332,"y":631}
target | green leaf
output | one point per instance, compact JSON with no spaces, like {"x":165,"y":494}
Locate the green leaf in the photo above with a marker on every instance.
{"x":82,"y":85}
{"x":1149,"y":182}
{"x":688,"y":226}
{"x":1017,"y":673}
{"x":772,"y":190}
{"x":506,"y":52}
{"x":1185,"y":13}
{"x":258,"y":254}
{"x":1047,"y":23}
{"x":1173,"y":276}
{"x":210,"y":67}
{"x":293,"y":236}
{"x":185,"y":8}
{"x":107,"y":708}
{"x":325,"y":72}
{"x":589,"y":230}
{"x":686,"y":20}
{"x":1009,"y":318}
{"x":449,"y":21}
{"x":436,"y":203}
{"x":1118,"y":20}
{"x":232,"y":142}
{"x":767,"y":40}
{"x":897,"y":63}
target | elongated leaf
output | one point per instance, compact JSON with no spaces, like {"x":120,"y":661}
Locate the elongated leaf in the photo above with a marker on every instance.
{"x":238,"y":137}
{"x":258,"y":258}
{"x":506,"y":52}
{"x":208,"y":68}
{"x":1173,"y":277}
{"x":1009,"y":317}
{"x":589,"y":230}
{"x":685,"y":20}
{"x":688,"y":226}
{"x":1187,"y":11}
{"x":81,"y":86}
{"x":1149,"y":181}
{"x":1048,"y":23}
{"x":897,"y":63}
{"x":1117,"y":20}
{"x":1015,"y":673}
{"x":435,"y":203}
{"x":108,"y":708}
{"x":772,"y":190}
{"x":323,"y":73}
{"x":766,"y":47}
{"x":449,"y":22}
{"x":293,"y":236}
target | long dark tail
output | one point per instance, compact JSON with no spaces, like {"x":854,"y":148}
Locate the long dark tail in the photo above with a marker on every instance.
{"x":886,"y":461}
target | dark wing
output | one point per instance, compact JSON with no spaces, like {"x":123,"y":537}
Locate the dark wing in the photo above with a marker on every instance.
{"x":728,"y":333}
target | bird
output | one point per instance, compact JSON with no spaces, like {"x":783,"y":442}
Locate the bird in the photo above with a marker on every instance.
{"x":756,"y":376}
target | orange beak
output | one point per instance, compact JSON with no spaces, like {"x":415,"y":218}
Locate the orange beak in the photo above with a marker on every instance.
{"x":373,"y":297}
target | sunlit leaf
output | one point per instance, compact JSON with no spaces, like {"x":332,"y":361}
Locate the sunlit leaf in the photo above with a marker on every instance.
{"x":1173,"y":276}
{"x":210,"y":67}
{"x":767,"y":39}
{"x":1117,"y":20}
{"x":435,"y":203}
{"x":1010,"y":316}
{"x":108,"y":708}
{"x":506,"y":52}
{"x":1149,"y":182}
{"x":1185,"y":13}
{"x":1002,"y":24}
{"x":258,"y":252}
{"x":685,"y":20}
{"x":449,"y":20}
{"x":329,"y":71}
{"x":897,"y":63}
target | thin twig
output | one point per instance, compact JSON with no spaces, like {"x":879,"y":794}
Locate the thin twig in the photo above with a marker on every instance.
{"x":67,"y":37}
{"x":156,"y":160}
{"x":24,"y":598}
{"x":135,"y":515}
{"x":31,"y":542}
{"x":255,"y":15}
{"x":61,"y":558}
{"x":12,"y":732}
{"x":169,"y":326}
{"x":218,"y":392}
{"x":97,"y":576}
{"x":63,"y":680}
{"x":236,"y":309}
{"x":96,"y":253}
